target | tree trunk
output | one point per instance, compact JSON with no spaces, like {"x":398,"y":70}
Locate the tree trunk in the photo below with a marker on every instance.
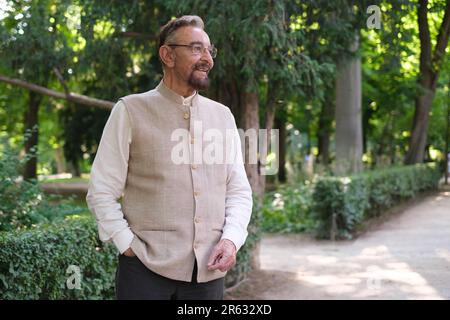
{"x":266,"y":146}
{"x":60,"y":161}
{"x":74,"y":168}
{"x":272,"y":91}
{"x":280,"y":124}
{"x":250,"y":118}
{"x":429,"y":73}
{"x":419,"y":131}
{"x":227,"y":93}
{"x":324,"y":132}
{"x":348,"y":116}
{"x":31,"y":135}
{"x":245,"y":108}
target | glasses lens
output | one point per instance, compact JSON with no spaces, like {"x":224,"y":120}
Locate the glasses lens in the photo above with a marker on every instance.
{"x":197,"y":49}
{"x":213,"y":51}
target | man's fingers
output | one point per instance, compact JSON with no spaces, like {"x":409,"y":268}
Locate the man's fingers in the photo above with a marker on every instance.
{"x":226,"y":264}
{"x":215,"y":264}
{"x":214,"y":257}
{"x":223,"y":264}
{"x":223,"y":257}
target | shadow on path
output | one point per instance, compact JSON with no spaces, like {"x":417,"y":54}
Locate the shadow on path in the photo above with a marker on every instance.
{"x":406,"y":256}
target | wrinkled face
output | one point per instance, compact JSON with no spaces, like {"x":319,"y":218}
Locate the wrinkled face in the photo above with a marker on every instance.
{"x":189,"y":67}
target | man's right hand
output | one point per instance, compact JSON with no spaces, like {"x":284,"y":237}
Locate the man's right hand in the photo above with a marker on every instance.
{"x":129,"y":253}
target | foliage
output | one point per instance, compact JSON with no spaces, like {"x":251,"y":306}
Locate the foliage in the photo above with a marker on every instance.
{"x":390,"y":63}
{"x":22,"y":203}
{"x":288,"y":209}
{"x":85,"y":41}
{"x":107,"y":49}
{"x":108,"y":65}
{"x":340,"y":204}
{"x":34,"y":263}
{"x":32,"y":34}
{"x":390,"y":186}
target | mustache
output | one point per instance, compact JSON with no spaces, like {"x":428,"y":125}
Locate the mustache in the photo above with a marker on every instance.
{"x":202,"y":66}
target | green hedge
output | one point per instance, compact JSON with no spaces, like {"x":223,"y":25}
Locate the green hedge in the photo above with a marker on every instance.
{"x":33,"y":263}
{"x":288,"y":209}
{"x":340,"y":204}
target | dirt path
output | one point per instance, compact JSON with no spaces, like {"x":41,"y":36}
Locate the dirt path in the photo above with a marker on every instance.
{"x":406,"y":257}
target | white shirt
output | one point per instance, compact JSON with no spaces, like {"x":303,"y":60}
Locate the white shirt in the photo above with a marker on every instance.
{"x":109,"y":174}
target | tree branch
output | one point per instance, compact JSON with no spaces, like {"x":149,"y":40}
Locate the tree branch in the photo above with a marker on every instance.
{"x":424,"y":36}
{"x":70,"y":96}
{"x":61,"y":80}
{"x":442,"y":40}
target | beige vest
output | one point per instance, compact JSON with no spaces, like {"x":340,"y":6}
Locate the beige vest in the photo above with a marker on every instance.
{"x":176,"y":211}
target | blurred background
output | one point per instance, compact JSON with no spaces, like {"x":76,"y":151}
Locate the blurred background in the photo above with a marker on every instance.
{"x":357,"y":89}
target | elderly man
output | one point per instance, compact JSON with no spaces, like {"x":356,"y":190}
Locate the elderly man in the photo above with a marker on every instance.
{"x":180,"y":223}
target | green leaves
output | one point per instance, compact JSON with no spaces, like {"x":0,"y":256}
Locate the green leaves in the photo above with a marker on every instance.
{"x":33,"y":263}
{"x":22,"y":203}
{"x":288,"y":209}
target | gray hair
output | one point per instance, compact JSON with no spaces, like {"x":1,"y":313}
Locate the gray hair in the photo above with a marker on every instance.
{"x":168,"y":30}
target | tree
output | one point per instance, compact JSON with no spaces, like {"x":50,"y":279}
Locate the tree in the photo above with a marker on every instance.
{"x":116,"y":56}
{"x":349,"y":115}
{"x":101,"y":60}
{"x":330,"y":30}
{"x":430,"y":66}
{"x":260,"y":49}
{"x":33,"y":43}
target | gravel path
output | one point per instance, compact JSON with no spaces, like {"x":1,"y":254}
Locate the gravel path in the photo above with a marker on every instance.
{"x":405,"y":257}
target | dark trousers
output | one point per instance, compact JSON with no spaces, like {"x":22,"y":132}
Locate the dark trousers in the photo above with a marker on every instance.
{"x":134,"y":281}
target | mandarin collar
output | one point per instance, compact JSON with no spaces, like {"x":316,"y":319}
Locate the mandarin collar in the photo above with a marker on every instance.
{"x":175,"y":97}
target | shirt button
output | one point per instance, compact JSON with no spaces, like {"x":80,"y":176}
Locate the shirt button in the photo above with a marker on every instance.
{"x":186,"y":115}
{"x":194,"y":166}
{"x":196,"y":193}
{"x":197,"y":220}
{"x":195,"y":246}
{"x":192,"y":140}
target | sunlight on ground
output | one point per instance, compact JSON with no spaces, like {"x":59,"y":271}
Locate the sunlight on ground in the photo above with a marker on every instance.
{"x":374,"y":281}
{"x":321,"y":259}
{"x":371,"y":272}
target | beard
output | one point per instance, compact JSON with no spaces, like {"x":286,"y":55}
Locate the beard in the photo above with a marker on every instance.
{"x":197,"y":82}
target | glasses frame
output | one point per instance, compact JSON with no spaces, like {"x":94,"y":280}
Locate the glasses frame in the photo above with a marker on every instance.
{"x":211,"y":49}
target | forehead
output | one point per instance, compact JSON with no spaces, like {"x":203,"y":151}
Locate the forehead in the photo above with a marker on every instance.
{"x":192,"y":34}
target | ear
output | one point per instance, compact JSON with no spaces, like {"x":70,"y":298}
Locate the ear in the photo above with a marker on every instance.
{"x":167,"y":56}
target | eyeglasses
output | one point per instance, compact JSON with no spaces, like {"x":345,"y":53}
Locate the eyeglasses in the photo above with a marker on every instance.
{"x":198,"y":49}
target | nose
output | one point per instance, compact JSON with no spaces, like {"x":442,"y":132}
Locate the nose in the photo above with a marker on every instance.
{"x":206,"y":55}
